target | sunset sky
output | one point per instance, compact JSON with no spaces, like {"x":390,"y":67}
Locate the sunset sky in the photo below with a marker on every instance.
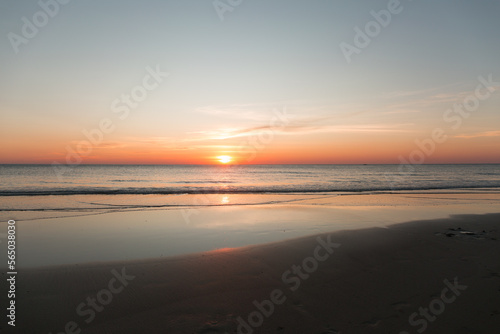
{"x":267,"y":84}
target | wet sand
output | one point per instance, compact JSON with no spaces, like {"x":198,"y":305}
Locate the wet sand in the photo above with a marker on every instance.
{"x":139,"y":227}
{"x":437,"y":276}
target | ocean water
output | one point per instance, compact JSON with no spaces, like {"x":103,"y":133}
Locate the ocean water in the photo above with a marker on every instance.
{"x":29,"y":180}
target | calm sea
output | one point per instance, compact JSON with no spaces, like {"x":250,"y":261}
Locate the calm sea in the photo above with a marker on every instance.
{"x":18,"y":180}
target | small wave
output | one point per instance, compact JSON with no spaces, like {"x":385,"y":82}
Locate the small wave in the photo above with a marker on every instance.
{"x":224,"y":190}
{"x":55,"y":182}
{"x":172,"y":182}
{"x":134,"y":181}
{"x":204,"y":182}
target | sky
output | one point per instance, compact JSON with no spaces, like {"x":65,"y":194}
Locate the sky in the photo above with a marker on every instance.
{"x":264,"y":82}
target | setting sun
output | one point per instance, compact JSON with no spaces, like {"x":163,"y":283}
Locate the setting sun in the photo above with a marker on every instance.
{"x":224,"y":159}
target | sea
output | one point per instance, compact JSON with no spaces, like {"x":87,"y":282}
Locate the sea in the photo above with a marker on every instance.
{"x":33,"y":180}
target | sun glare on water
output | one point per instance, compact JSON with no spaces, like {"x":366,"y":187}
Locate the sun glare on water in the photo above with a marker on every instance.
{"x":224,"y":159}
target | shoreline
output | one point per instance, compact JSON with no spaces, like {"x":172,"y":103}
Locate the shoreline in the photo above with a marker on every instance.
{"x":372,"y":283}
{"x":132,"y":227}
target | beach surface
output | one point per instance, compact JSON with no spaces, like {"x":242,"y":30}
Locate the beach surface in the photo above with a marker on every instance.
{"x":78,"y":229}
{"x":432,"y":276}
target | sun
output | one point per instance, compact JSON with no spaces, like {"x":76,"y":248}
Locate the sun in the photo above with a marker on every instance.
{"x":224,"y":159}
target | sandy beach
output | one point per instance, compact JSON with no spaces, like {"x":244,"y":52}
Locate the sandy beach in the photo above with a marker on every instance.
{"x":437,"y":276}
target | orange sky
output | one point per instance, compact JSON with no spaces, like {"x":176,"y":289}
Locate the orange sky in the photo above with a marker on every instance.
{"x":282,"y":149}
{"x":174,"y":84}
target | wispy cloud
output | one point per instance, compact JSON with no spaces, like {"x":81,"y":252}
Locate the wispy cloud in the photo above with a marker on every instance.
{"x":103,"y":145}
{"x":248,"y":112}
{"x":425,"y":99}
{"x":303,"y":129}
{"x":479,"y":134}
{"x":423,"y":92}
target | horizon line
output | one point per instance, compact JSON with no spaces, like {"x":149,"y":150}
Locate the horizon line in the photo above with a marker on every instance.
{"x":238,"y":164}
